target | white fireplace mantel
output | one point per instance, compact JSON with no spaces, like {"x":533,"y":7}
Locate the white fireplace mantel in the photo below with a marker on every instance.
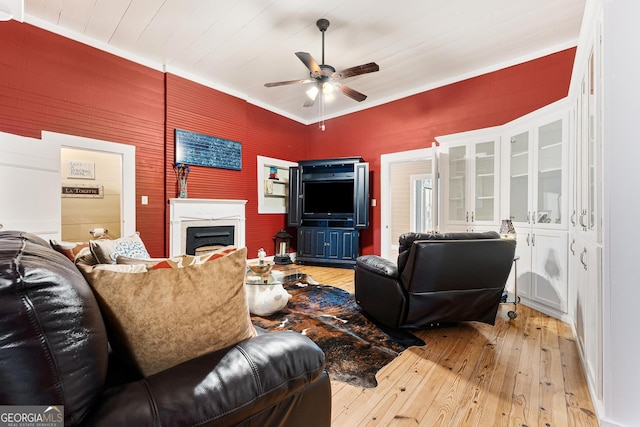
{"x":185,"y":213}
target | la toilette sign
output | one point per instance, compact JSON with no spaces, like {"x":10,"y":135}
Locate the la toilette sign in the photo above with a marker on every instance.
{"x":77,"y":169}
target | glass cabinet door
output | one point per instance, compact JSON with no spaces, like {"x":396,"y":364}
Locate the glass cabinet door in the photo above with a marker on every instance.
{"x":549,"y":171}
{"x":519,"y":187}
{"x":485,"y":182}
{"x":457,"y":183}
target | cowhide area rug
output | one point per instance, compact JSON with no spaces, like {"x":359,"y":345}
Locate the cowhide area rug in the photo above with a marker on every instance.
{"x":355,"y":347}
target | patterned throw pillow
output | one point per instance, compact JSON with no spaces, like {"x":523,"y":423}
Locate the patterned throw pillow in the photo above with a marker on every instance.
{"x":73,"y":250}
{"x":189,"y":260}
{"x":106,"y":251}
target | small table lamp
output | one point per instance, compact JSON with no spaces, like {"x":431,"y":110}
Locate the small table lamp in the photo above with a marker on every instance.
{"x":507,"y":229}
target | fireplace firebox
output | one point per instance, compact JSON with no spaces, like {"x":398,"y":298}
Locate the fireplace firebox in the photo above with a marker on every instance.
{"x":202,"y":239}
{"x":186,"y":213}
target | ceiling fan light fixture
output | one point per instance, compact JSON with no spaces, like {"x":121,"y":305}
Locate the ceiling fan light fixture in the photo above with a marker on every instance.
{"x":325,"y":76}
{"x":312,"y":92}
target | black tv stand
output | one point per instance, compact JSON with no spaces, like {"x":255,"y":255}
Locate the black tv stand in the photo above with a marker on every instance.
{"x":329,"y":222}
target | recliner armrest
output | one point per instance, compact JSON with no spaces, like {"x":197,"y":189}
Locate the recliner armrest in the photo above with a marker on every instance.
{"x":378,"y":290}
{"x":378,"y":265}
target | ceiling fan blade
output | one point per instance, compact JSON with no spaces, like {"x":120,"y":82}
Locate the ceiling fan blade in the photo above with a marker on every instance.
{"x":289,"y":82}
{"x":351,"y":93}
{"x":371,"y":67}
{"x":310,"y":63}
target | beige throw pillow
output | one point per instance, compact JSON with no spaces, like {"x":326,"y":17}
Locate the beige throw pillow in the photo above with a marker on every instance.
{"x":164,"y":317}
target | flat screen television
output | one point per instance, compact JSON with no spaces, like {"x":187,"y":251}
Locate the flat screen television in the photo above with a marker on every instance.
{"x":328,"y":199}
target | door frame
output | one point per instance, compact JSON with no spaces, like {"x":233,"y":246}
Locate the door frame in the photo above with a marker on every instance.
{"x":128,"y":153}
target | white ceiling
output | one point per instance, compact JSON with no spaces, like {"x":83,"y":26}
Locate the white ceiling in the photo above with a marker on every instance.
{"x":237,"y":46}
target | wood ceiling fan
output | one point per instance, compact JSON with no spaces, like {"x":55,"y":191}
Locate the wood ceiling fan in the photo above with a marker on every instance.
{"x":325,"y":76}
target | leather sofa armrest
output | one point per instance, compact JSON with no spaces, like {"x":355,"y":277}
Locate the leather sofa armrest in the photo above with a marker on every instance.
{"x":226,"y":387}
{"x":377,"y":265}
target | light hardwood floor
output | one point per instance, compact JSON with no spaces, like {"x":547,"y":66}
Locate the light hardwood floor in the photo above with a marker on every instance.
{"x":522,"y":372}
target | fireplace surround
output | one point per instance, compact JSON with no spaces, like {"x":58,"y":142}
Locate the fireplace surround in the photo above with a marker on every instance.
{"x":217,"y":213}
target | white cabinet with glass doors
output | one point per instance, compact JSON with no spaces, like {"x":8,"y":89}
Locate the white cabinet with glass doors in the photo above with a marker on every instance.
{"x":535,"y":158}
{"x":470,"y":180}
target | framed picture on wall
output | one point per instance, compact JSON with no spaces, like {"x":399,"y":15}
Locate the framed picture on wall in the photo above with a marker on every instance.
{"x":204,"y":150}
{"x":77,"y":169}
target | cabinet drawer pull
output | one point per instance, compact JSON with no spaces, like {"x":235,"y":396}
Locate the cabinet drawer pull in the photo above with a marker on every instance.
{"x":571,"y":246}
{"x":573,"y":218}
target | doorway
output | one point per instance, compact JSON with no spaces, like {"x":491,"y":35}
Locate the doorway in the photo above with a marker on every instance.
{"x":421,"y":206}
{"x":92,"y":193}
{"x":408,"y":194}
{"x":113,"y":169}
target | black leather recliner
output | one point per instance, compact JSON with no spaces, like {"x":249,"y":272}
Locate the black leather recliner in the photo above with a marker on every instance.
{"x":439,"y":279}
{"x":54,"y":351}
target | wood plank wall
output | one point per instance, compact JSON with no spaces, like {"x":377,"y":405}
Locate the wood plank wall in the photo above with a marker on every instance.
{"x":410,"y":123}
{"x":196,"y":108}
{"x":55,"y":84}
{"x":52,"y":83}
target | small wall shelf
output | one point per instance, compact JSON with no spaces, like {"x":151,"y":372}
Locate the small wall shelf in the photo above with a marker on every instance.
{"x":273,"y":184}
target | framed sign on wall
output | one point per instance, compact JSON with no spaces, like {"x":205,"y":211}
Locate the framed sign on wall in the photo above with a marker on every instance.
{"x":81,"y":169}
{"x":204,"y":150}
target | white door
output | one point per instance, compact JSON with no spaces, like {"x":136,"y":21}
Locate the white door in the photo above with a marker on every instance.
{"x":30,"y":186}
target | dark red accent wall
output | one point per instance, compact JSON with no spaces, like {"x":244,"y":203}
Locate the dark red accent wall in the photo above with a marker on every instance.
{"x":488,"y":100}
{"x":197,"y":108}
{"x":52,"y":83}
{"x":48,"y":82}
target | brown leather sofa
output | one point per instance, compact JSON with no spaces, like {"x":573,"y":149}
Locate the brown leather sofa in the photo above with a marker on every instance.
{"x":439,"y":279}
{"x":54,"y":351}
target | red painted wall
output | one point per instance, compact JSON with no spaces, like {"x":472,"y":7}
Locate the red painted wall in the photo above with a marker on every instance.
{"x":489,"y":100}
{"x":196,"y":108}
{"x":53,"y":83}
